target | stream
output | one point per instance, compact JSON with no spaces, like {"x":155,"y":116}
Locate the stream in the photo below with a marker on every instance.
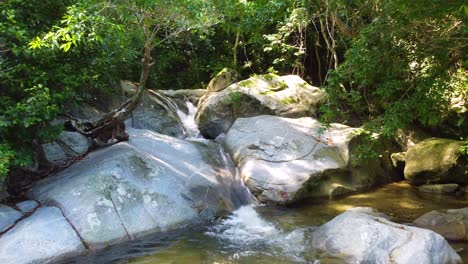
{"x":265,"y":234}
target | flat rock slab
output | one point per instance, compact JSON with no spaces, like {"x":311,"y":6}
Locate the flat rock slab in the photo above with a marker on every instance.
{"x":8,"y":217}
{"x":360,"y":237}
{"x":43,"y":237}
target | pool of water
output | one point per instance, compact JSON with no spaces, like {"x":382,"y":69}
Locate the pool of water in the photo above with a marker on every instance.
{"x":271,"y":235}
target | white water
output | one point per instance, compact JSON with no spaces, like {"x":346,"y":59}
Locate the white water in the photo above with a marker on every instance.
{"x":188,"y":120}
{"x":250,"y":234}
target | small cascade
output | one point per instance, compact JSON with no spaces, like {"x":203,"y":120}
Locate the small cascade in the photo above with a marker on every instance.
{"x":239,"y":194}
{"x":247,"y":233}
{"x":188,"y":120}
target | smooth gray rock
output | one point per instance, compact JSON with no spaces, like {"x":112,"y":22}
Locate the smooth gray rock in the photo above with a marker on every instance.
{"x":286,"y":96}
{"x":53,"y":153}
{"x":27,"y":206}
{"x":451,"y":224}
{"x":74,"y":143}
{"x":153,"y":183}
{"x":68,"y":145}
{"x":360,"y":237}
{"x":439,"y":188}
{"x":283,"y":160}
{"x":8,"y":217}
{"x":43,"y":237}
{"x":157,"y":113}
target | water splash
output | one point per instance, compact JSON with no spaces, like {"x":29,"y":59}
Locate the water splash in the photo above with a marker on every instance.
{"x":250,"y":234}
{"x":188,"y":120}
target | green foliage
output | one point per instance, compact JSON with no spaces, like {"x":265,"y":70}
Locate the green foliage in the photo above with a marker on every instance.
{"x":400,"y":68}
{"x":234,"y":99}
{"x":464,"y":149}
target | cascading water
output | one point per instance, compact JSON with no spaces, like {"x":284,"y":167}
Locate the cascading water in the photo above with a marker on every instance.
{"x":188,"y":120}
{"x":246,"y":234}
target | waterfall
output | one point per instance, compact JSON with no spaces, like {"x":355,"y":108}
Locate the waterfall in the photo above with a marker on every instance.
{"x":188,"y":120}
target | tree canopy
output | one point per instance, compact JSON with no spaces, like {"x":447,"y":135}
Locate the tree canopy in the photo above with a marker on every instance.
{"x":384,"y":64}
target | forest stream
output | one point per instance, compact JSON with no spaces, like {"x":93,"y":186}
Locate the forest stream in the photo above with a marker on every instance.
{"x":266,"y":234}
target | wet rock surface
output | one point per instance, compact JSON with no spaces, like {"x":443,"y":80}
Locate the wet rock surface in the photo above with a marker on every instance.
{"x":153,"y":183}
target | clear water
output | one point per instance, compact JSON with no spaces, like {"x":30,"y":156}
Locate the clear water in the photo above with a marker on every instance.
{"x":271,"y":234}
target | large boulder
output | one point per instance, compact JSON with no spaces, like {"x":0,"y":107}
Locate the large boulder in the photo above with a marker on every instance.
{"x":153,"y":183}
{"x":283,"y":160}
{"x":222,"y":80}
{"x":43,"y":237}
{"x":287,"y":96}
{"x":360,"y":237}
{"x":451,"y":224}
{"x":436,"y":160}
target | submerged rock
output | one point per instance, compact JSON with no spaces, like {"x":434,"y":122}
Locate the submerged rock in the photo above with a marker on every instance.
{"x":451,"y":224}
{"x":360,"y":237}
{"x":436,"y":160}
{"x":43,"y":237}
{"x":153,"y":183}
{"x":287,"y":96}
{"x":283,"y":160}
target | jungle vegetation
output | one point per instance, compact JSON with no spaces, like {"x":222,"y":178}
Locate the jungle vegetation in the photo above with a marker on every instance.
{"x":385,"y":64}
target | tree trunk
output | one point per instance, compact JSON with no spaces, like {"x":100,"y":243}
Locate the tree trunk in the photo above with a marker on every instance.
{"x":111,"y":126}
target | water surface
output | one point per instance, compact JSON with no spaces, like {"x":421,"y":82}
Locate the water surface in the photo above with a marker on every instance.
{"x":273,"y":235}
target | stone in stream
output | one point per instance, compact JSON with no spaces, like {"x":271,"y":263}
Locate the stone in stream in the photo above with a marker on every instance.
{"x":360,"y":237}
{"x":283,"y":160}
{"x":436,"y":160}
{"x":153,"y":183}
{"x":8,"y":217}
{"x":439,"y":188}
{"x":451,"y":224}
{"x":43,"y":237}
{"x":287,"y":96}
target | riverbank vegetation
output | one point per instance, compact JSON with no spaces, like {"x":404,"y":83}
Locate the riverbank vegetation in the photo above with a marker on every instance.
{"x":384,"y":64}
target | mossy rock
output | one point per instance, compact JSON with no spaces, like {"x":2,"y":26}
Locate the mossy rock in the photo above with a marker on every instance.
{"x":222,"y":80}
{"x":269,"y":94}
{"x":436,"y":160}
